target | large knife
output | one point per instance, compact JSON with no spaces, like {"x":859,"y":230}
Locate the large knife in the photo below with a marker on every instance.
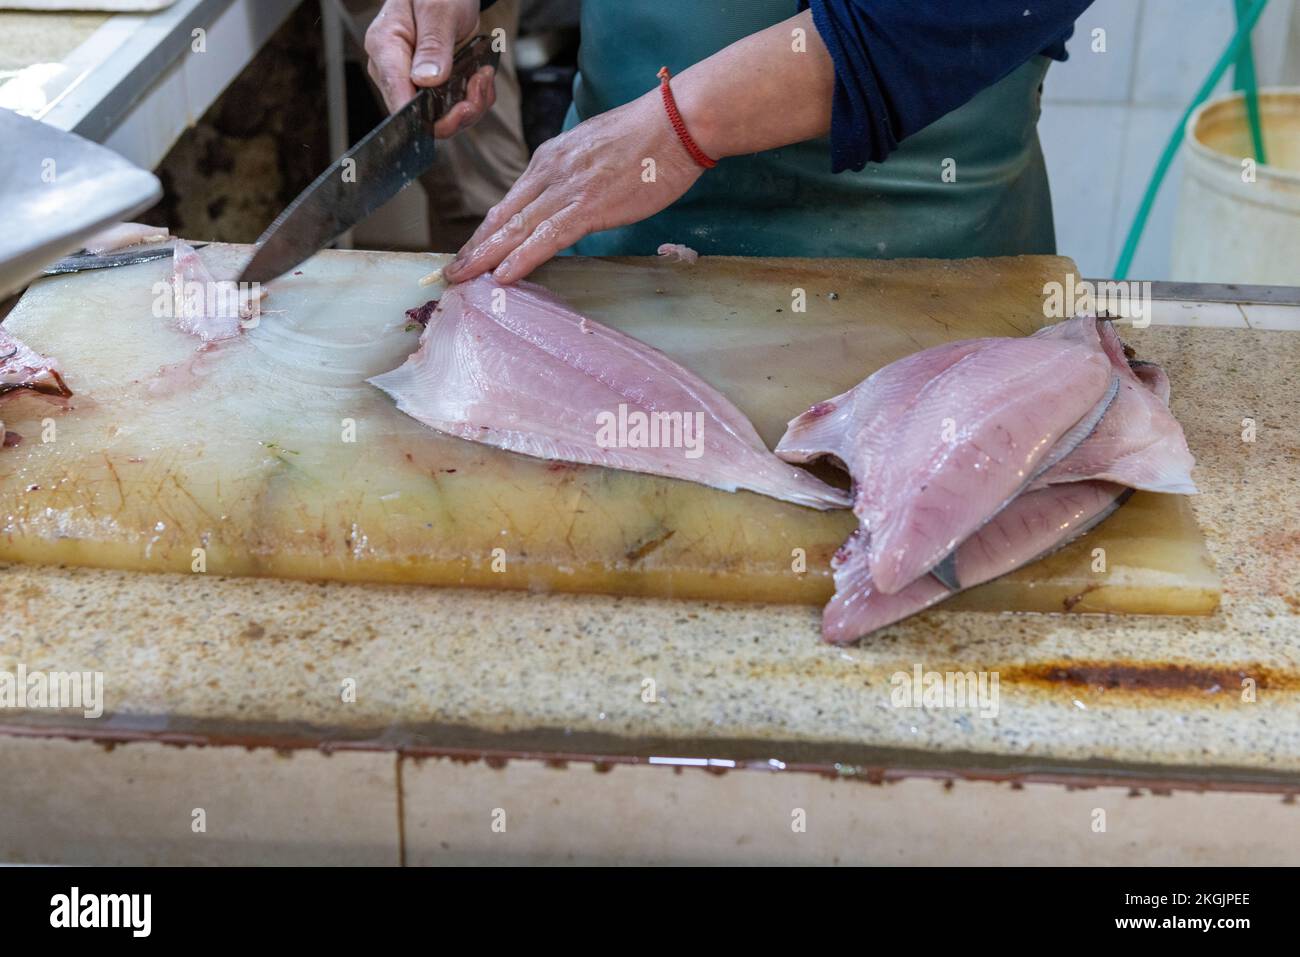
{"x":139,"y":253}
{"x":374,"y":171}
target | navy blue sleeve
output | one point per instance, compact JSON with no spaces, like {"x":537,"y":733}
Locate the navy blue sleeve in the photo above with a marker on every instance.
{"x":902,"y":64}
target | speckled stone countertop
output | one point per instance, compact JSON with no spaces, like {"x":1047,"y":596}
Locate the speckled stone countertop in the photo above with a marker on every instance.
{"x":264,"y":661}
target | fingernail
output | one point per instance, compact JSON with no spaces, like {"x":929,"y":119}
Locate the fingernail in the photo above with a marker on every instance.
{"x":455,"y":266}
{"x":425,"y":71}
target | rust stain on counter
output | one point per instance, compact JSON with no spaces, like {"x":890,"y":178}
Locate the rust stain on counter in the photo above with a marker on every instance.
{"x":1151,"y":678}
{"x":1127,"y":682}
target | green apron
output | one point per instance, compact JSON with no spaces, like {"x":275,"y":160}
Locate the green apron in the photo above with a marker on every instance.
{"x":786,"y":202}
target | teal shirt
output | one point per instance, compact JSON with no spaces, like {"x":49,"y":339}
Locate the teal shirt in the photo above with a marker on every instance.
{"x":995,"y":200}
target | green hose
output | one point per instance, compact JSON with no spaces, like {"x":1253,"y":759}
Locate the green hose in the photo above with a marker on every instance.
{"x":1245,"y":23}
{"x":1243,"y":78}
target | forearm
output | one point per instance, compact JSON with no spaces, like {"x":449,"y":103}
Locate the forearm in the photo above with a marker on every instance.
{"x":770,"y":89}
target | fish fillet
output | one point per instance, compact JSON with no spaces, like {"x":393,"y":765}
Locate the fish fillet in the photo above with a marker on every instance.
{"x":516,"y":368}
{"x":1027,"y":467}
{"x":830,"y":427}
{"x":1032,"y":526}
{"x":942,"y":440}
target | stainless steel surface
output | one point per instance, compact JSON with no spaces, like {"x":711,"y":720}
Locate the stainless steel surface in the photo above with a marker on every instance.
{"x":1227,"y":292}
{"x":1221,"y":292}
{"x":56,"y":189}
{"x":367,"y":176}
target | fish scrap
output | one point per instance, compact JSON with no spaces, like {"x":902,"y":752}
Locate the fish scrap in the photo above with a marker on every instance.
{"x":23,"y":370}
{"x":677,"y":253}
{"x":206,"y":307}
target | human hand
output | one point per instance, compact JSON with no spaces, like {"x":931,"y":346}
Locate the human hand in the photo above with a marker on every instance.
{"x":614,"y":169}
{"x":411,"y":43}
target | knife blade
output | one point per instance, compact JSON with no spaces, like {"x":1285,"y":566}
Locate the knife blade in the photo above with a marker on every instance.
{"x":123,"y":257}
{"x":372,"y":172}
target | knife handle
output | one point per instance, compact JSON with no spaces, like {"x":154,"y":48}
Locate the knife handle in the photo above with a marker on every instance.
{"x":469,"y":59}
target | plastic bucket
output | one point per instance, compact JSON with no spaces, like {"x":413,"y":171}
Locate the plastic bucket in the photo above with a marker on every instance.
{"x":1237,"y":224}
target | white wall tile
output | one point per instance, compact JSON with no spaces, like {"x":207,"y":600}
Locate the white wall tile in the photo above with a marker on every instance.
{"x":1178,"y":42}
{"x":1276,"y":318}
{"x":1146,"y":131}
{"x":1200,"y":315}
{"x":1289,"y":69}
{"x":1098,"y":76}
{"x":1083,"y":144}
{"x":1275,"y":46}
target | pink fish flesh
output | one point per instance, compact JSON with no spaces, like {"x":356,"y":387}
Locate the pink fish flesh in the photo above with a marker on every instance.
{"x":1153,"y":377}
{"x":831,"y":427}
{"x":123,"y":235}
{"x":1128,"y":439}
{"x":1032,"y":526}
{"x":941,"y":441}
{"x":1138,"y":442}
{"x":206,"y":307}
{"x":181,"y":376}
{"x":516,"y":368}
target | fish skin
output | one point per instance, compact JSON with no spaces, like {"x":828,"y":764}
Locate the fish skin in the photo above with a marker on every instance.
{"x":1153,"y":377}
{"x":946,"y":571}
{"x":516,"y":368}
{"x":1080,"y":431}
{"x":23,"y":369}
{"x":1138,"y":442}
{"x":1031,"y":527}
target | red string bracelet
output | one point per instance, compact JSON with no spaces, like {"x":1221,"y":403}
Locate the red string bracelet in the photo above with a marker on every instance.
{"x":679,"y":125}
